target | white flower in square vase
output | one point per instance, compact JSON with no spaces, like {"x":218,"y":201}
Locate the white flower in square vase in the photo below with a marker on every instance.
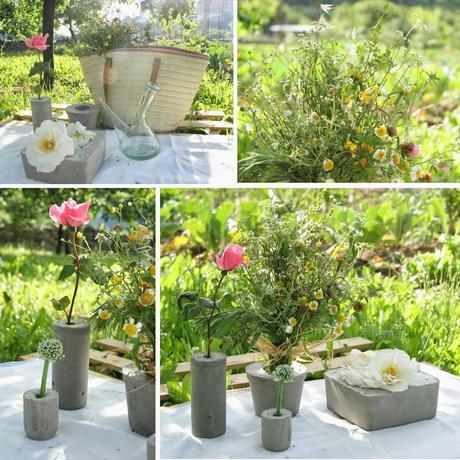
{"x":80,"y":135}
{"x":48,"y":146}
{"x":391,"y":370}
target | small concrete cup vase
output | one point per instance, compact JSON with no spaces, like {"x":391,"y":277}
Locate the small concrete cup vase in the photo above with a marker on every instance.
{"x":84,"y":113}
{"x":70,"y":375}
{"x":41,"y":111}
{"x":277,"y":422}
{"x":264,"y":388}
{"x":151,"y":448}
{"x":209,"y":393}
{"x":140,"y":398}
{"x":41,"y":405}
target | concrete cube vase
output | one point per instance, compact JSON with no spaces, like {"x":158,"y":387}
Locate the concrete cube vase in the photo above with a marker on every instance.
{"x":86,"y":114}
{"x":70,"y":374}
{"x":264,"y":389}
{"x":41,"y":111}
{"x":151,"y":448}
{"x":209,"y":395}
{"x":276,"y":430}
{"x":374,"y":409}
{"x":140,"y":397}
{"x":41,"y":414}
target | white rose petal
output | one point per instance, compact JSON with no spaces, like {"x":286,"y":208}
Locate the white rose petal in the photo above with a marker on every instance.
{"x":48,"y":146}
{"x":80,"y":135}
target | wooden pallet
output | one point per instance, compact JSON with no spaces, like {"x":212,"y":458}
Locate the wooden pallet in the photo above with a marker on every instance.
{"x":109,"y":358}
{"x":211,"y":121}
{"x":239,"y":380}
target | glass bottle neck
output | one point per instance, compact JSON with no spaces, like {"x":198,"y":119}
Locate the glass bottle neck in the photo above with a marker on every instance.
{"x":148,"y":95}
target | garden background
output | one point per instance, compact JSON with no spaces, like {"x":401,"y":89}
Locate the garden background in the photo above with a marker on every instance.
{"x":407,"y":275}
{"x":32,"y":258}
{"x":82,"y":27}
{"x":436,"y":121}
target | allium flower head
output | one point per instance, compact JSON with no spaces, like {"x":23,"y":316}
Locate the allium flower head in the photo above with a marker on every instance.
{"x":284,"y":373}
{"x":51,"y":350}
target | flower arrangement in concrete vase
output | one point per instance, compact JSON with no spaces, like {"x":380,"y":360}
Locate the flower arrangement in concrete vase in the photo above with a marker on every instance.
{"x":41,"y":106}
{"x":381,"y":389}
{"x":70,"y":375}
{"x":41,"y":405}
{"x":277,"y":422}
{"x":294,"y":288}
{"x":123,"y":266}
{"x":208,"y":369}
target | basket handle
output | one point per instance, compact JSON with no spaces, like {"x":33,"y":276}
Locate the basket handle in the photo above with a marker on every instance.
{"x":155,"y":69}
{"x":105,"y":77}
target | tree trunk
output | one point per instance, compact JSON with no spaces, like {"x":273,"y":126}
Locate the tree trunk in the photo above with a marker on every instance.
{"x":48,"y":28}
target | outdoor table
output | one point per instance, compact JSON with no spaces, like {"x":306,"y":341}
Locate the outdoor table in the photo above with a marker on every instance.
{"x":183,"y":159}
{"x":318,"y":432}
{"x":100,"y":431}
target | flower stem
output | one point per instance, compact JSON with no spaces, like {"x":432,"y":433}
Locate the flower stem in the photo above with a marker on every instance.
{"x":42,"y":392}
{"x":77,"y":272}
{"x":214,"y":307}
{"x":279,"y":399}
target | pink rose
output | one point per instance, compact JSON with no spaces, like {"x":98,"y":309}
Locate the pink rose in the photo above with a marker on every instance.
{"x":70,"y":213}
{"x":37,"y":42}
{"x":232,"y":258}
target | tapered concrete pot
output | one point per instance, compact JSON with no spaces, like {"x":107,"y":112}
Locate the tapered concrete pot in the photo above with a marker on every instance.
{"x":140,"y":397}
{"x":276,"y":430}
{"x":209,"y":395}
{"x":151,"y":448}
{"x":41,"y":111}
{"x":70,"y":374}
{"x":264,"y":389}
{"x":41,"y":414}
{"x":374,"y":409}
{"x":86,"y":114}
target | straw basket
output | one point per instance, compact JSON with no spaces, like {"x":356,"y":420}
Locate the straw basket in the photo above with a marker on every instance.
{"x":120,"y":74}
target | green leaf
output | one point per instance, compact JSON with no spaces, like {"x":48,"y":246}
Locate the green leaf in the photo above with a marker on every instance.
{"x":6,"y":297}
{"x":35,"y":70}
{"x":61,"y":304}
{"x":68,"y":270}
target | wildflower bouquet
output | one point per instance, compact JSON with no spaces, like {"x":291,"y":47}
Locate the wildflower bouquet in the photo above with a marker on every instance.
{"x":123,"y":267}
{"x":295,"y":284}
{"x":337,"y":113}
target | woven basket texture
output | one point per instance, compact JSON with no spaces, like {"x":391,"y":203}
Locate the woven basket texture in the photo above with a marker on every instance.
{"x":179,"y":79}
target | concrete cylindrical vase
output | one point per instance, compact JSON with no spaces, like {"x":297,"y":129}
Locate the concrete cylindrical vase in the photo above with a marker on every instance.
{"x":276,"y":430}
{"x":209,"y":395}
{"x":41,"y":111}
{"x":70,"y":374}
{"x":140,"y":397}
{"x":86,"y":114}
{"x":151,"y":448}
{"x":264,"y":389}
{"x":41,"y":414}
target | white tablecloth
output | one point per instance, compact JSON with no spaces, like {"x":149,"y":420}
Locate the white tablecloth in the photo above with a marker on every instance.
{"x":318,"y":432}
{"x":184,"y":159}
{"x":100,"y":431}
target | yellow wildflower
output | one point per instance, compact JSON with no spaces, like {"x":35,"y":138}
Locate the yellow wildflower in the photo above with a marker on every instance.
{"x":116,"y":279}
{"x":351,"y":146}
{"x":147,"y":297}
{"x":118,"y":302}
{"x":341,"y":319}
{"x":381,"y":132}
{"x":79,"y":235}
{"x":152,"y":270}
{"x":318,"y":141}
{"x":333,"y":310}
{"x":348,"y":100}
{"x":338,"y":330}
{"x":133,"y":236}
{"x":313,"y":305}
{"x":380,"y":155}
{"x":315,"y":117}
{"x":292,"y":322}
{"x":180,"y":241}
{"x":103,"y":314}
{"x":358,"y":76}
{"x":328,"y":165}
{"x":319,"y":294}
{"x":245,"y":259}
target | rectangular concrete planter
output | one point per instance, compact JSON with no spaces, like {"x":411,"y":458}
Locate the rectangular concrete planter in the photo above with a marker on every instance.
{"x":374,"y":409}
{"x":80,"y":168}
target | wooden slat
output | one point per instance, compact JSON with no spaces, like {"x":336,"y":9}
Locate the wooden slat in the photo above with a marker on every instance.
{"x":208,"y":115}
{"x":114,"y":345}
{"x":212,"y":125}
{"x":110,"y":360}
{"x":164,"y":394}
{"x":27,"y":115}
{"x":240,"y":361}
{"x":96,"y":357}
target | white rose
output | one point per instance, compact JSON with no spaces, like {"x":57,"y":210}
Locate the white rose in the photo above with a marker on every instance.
{"x":48,"y":146}
{"x":80,"y":135}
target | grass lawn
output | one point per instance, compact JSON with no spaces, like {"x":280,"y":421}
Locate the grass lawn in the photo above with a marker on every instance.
{"x":28,"y":280}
